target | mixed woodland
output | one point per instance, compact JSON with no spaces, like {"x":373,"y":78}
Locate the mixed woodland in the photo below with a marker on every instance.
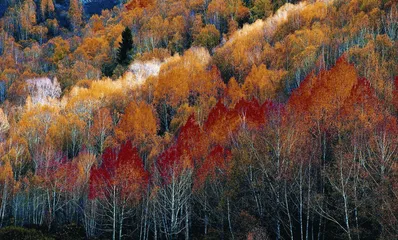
{"x":199,"y":119}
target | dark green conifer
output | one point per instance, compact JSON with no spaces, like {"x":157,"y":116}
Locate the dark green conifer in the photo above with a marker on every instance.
{"x":124,"y":55}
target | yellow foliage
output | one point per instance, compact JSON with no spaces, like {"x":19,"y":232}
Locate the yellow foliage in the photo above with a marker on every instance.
{"x":180,"y":74}
{"x":138,"y":124}
{"x":262,"y":83}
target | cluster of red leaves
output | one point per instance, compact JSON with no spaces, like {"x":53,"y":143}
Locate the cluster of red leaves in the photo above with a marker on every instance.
{"x":336,"y":97}
{"x":204,"y":150}
{"x":362,"y":107}
{"x":222,"y":122}
{"x":123,"y":171}
{"x":184,"y":153}
{"x":59,"y":174}
{"x":322,"y":96}
{"x":214,"y":165}
{"x":252,"y":113}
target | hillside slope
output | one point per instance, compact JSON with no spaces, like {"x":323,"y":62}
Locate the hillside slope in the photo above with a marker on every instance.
{"x":220,"y":119}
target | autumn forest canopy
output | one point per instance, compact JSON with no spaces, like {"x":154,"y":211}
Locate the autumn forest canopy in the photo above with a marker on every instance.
{"x":199,"y":119}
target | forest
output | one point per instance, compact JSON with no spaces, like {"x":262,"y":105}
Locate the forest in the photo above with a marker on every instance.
{"x":199,"y":119}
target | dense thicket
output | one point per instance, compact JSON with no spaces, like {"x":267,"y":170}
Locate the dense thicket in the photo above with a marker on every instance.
{"x":236,"y":120}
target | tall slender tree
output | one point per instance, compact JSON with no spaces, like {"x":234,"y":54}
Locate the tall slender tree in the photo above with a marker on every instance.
{"x":124,"y":55}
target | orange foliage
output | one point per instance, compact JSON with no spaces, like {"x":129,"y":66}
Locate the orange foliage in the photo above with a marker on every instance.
{"x":221,"y":123}
{"x":137,"y":124}
{"x":172,"y":86}
{"x":187,"y":76}
{"x":362,"y":108}
{"x":234,"y":92}
{"x":262,"y":83}
{"x":138,"y":4}
{"x":323,"y":95}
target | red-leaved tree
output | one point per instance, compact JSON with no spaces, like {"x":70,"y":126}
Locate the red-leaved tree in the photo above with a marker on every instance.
{"x":118,"y":184}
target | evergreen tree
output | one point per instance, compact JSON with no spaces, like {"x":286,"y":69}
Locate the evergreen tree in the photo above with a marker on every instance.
{"x":125,"y":47}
